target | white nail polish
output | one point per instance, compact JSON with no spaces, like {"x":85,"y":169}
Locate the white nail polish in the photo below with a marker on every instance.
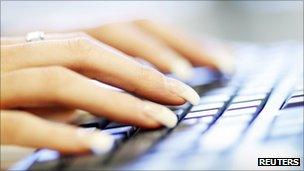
{"x":183,"y":90}
{"x":97,"y":141}
{"x":182,"y":69}
{"x":160,"y":113}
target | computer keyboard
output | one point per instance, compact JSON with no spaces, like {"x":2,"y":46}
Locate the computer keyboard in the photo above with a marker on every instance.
{"x":226,"y":111}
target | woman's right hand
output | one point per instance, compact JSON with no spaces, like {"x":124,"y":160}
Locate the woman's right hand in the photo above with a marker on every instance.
{"x":57,"y":73}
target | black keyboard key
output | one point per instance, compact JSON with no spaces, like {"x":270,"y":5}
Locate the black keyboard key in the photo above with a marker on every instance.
{"x":137,"y":146}
{"x":115,"y":125}
{"x":95,"y":122}
{"x":128,"y":130}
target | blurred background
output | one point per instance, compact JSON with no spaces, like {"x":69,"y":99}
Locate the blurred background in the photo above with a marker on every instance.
{"x":258,"y":21}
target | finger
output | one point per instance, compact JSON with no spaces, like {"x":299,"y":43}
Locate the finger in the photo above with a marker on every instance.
{"x":133,"y":41}
{"x":54,"y":113}
{"x":25,"y":129}
{"x":187,"y":47}
{"x":72,"y":90}
{"x":98,"y":61}
{"x":48,"y":36}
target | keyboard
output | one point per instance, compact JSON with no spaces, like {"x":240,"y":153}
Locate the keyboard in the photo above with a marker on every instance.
{"x":215,"y":127}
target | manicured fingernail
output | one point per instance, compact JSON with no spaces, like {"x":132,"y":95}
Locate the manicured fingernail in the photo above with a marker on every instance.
{"x":97,"y":141}
{"x":224,"y":60}
{"x":226,"y":66}
{"x":182,"y":69}
{"x":160,"y":113}
{"x":183,"y":90}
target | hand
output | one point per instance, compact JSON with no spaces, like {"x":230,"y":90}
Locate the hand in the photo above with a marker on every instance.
{"x":165,"y":47}
{"x":57,"y":73}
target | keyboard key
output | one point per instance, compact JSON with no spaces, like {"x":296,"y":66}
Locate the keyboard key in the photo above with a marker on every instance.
{"x":115,"y":125}
{"x":94,"y":122}
{"x":184,"y":106}
{"x":298,"y":93}
{"x":220,"y":138}
{"x":243,"y":98}
{"x":118,"y":138}
{"x":244,"y":111}
{"x":120,"y":130}
{"x":244,"y":104}
{"x":240,"y":119}
{"x":207,"y":119}
{"x":201,"y":113}
{"x":225,"y":90}
{"x":285,"y":131}
{"x":254,"y":90}
{"x":47,"y":155}
{"x":207,"y":106}
{"x":214,"y":98}
{"x":179,"y":113}
{"x":294,"y":101}
{"x":189,"y":121}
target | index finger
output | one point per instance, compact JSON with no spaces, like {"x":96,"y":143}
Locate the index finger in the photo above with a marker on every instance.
{"x":98,"y":61}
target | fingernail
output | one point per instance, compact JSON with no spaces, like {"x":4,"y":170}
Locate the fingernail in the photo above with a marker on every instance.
{"x":97,"y":141}
{"x":182,"y":69}
{"x":224,"y":60}
{"x":226,"y":65}
{"x":160,"y":113}
{"x":183,"y":90}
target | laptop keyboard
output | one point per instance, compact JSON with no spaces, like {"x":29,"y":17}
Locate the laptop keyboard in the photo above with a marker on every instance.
{"x":225,"y":112}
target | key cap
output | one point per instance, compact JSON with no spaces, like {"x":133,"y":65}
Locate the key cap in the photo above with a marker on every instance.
{"x":128,"y":130}
{"x":207,"y":119}
{"x":294,"y":101}
{"x":47,"y":155}
{"x":239,"y":119}
{"x":201,"y":113}
{"x":207,"y":106}
{"x":244,"y":104}
{"x":244,"y":111}
{"x":214,"y":98}
{"x":220,"y":138}
{"x":243,"y":98}
{"x":254,"y":90}
{"x":139,"y":144}
{"x":115,"y":125}
{"x":118,"y":138}
{"x":189,"y":122}
{"x":298,"y":93}
{"x":179,"y":113}
{"x":96,"y":122}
